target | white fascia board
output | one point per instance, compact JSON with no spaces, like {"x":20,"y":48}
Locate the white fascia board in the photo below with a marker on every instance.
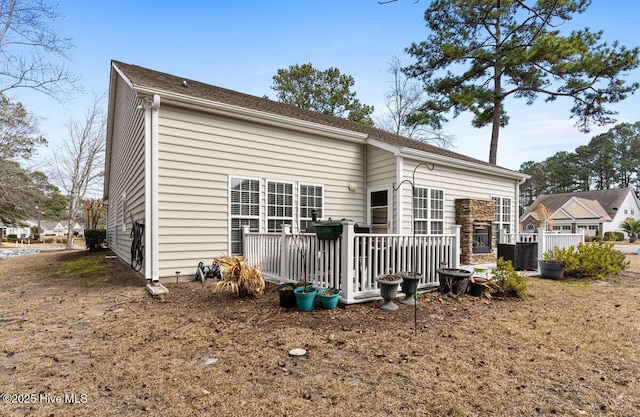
{"x":114,"y":75}
{"x":384,"y":146}
{"x":457,"y":163}
{"x":250,"y":114}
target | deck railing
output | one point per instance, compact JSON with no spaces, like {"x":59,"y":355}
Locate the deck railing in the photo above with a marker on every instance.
{"x":546,"y":240}
{"x":351,"y":262}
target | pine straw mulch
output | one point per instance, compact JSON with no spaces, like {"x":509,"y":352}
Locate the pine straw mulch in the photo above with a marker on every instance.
{"x":78,"y":323}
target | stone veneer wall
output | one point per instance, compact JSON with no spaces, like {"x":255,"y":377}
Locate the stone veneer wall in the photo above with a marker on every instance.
{"x":467,"y":211}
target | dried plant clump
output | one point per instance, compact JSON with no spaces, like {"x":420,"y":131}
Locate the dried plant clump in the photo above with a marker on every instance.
{"x":389,"y":277}
{"x":239,"y":278}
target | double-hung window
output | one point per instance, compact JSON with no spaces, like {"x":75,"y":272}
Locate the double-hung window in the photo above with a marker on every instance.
{"x":279,"y":205}
{"x":503,"y":213}
{"x":311,"y":198}
{"x":428,"y":211}
{"x":245,"y":209}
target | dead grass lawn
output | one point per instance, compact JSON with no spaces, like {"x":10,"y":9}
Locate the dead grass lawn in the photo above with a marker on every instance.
{"x":77,"y":323}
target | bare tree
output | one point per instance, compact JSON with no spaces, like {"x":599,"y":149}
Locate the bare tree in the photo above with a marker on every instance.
{"x":32,"y":52}
{"x":92,"y":212}
{"x":402,"y":100}
{"x":79,"y":160}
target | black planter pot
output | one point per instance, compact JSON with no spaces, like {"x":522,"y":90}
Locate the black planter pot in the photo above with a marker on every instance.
{"x":388,"y":291}
{"x":476,"y":287}
{"x":454,"y":280}
{"x":409,"y":286}
{"x":287,"y":296}
{"x":551,"y":268}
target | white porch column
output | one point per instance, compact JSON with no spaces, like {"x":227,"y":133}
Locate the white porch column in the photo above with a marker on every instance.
{"x":346,"y":261}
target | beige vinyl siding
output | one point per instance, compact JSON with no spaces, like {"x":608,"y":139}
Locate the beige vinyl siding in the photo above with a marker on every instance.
{"x":198,"y":154}
{"x":381,"y":172}
{"x":381,"y":167}
{"x":578,"y":211}
{"x":126,"y":170}
{"x":456,"y":183}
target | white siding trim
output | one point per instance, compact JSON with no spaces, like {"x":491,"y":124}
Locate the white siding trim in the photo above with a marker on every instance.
{"x":398,"y":194}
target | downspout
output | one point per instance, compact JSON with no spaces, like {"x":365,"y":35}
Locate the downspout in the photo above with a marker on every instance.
{"x":518,"y":184}
{"x":400,"y":199}
{"x":151,"y":187}
{"x":147,"y":103}
{"x":155,"y":108}
{"x":365,"y":180}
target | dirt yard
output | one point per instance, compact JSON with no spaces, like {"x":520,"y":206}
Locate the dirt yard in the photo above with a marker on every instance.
{"x":80,"y":336}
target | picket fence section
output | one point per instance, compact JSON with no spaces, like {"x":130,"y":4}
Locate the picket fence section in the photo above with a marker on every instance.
{"x":545,"y":240}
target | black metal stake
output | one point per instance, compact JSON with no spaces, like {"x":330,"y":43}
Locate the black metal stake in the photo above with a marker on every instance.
{"x":412,"y":181}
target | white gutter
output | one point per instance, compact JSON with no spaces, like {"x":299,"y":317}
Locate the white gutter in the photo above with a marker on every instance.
{"x":151,"y":187}
{"x":458,"y":163}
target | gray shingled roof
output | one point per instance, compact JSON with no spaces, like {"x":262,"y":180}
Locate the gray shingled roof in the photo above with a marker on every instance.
{"x":608,"y":199}
{"x":143,"y":77}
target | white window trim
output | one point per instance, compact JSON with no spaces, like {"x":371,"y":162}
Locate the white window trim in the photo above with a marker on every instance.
{"x":500,"y":204}
{"x":298,"y":206}
{"x":230,"y":216}
{"x":429,"y":219}
{"x":266,"y":202}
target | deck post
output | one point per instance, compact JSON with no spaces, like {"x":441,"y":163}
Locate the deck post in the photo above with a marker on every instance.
{"x":284,"y":252}
{"x":455,"y":251}
{"x":542,"y":242}
{"x":346,"y":261}
{"x":245,"y":251}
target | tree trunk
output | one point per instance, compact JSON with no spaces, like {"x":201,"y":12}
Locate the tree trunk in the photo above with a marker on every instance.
{"x":497,"y":98}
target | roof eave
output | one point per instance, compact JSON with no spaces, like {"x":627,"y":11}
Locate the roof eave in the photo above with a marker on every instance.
{"x":458,"y":163}
{"x":196,"y":103}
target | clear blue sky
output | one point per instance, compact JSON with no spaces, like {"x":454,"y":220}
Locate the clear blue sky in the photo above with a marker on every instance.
{"x":240,"y":45}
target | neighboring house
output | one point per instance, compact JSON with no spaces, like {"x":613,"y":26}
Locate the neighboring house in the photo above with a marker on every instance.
{"x":195,"y":163}
{"x":60,"y":228}
{"x":595,"y":212}
{"x":21,"y":231}
{"x":48,"y":228}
